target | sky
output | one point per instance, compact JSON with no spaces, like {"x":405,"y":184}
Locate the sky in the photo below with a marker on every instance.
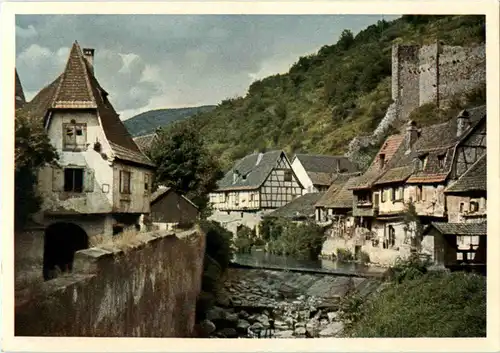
{"x":170,"y":61}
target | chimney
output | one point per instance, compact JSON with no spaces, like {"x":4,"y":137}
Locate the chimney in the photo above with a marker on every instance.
{"x":463,"y":122}
{"x":236,"y":174}
{"x":411,"y":134}
{"x":88,"y":53}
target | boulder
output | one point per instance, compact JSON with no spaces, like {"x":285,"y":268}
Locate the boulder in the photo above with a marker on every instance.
{"x":332,"y":316}
{"x":207,"y":327}
{"x":243,"y":314}
{"x":227,"y":332}
{"x":231,"y":317}
{"x":300,"y":331}
{"x":281,"y":325}
{"x":215,"y":313}
{"x":332,"y":330}
{"x":242,"y":325}
{"x":284,"y":334}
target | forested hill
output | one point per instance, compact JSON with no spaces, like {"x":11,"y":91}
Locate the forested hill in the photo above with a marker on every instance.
{"x":329,"y":97}
{"x":146,"y":123}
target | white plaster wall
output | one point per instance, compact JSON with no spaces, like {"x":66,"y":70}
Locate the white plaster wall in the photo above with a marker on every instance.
{"x":301,"y":174}
{"x":230,"y":197}
{"x":138,"y":201}
{"x":97,"y":201}
{"x":389,"y":206}
{"x":433,"y":200}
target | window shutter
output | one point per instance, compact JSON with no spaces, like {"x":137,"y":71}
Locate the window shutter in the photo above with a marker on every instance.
{"x":393,"y":194}
{"x":57,"y":179}
{"x":88,"y":180}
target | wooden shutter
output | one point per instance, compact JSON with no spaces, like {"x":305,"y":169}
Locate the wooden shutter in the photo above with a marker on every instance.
{"x":88,"y":180}
{"x":393,"y":194}
{"x":57,"y":179}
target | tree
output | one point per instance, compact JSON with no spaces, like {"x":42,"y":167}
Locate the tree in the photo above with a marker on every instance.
{"x":346,"y":40}
{"x":184,"y":163}
{"x":33,"y":151}
{"x":413,"y":224}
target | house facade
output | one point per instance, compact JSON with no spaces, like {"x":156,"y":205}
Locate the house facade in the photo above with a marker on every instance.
{"x":318,"y":172}
{"x":170,"y":209}
{"x":101,"y":184}
{"x":421,"y":167}
{"x":256,"y":185}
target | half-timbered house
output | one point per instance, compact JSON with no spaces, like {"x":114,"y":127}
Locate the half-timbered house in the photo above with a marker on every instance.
{"x":256,"y":185}
{"x":102,"y":181}
{"x":318,"y":172}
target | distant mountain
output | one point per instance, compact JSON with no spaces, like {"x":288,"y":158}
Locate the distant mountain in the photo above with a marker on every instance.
{"x":147,"y":122}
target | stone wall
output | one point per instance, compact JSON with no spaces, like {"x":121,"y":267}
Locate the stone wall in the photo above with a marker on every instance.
{"x":145,"y":289}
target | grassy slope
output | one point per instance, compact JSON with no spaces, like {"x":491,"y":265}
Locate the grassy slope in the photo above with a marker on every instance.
{"x":147,"y":122}
{"x":328,"y":98}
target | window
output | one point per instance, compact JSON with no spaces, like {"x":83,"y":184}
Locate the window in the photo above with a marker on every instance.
{"x":73,"y":180}
{"x":250,"y":198}
{"x":383,"y":195}
{"x":423,"y":162}
{"x":419,"y":192}
{"x":146,"y":182}
{"x":393,"y":194}
{"x":124,"y":182}
{"x":288,"y":175}
{"x":382,"y":160}
{"x":441,"y":159}
{"x":399,"y":193}
{"x":75,"y":136}
{"x":462,"y":206}
{"x":473,"y":206}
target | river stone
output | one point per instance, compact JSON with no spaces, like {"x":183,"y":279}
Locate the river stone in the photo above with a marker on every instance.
{"x":243,"y":325}
{"x":301,"y":331}
{"x":231,"y":317}
{"x":263,"y":319}
{"x":243,"y":314}
{"x":207,"y":327}
{"x":228,"y":332}
{"x":281,"y":325}
{"x":323,"y":322}
{"x":332,"y":330}
{"x":215,"y":313}
{"x":332,"y":316}
{"x":284,"y":334}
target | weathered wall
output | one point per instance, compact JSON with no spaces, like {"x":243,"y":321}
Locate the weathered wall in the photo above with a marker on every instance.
{"x":28,"y":256}
{"x":148,"y":290}
{"x":235,"y":200}
{"x":459,"y":209}
{"x":232,"y":219}
{"x":432,"y":202}
{"x":138,"y":200}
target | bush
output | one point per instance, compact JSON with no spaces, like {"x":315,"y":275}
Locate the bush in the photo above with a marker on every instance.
{"x":432,"y":305}
{"x":245,"y":239}
{"x":344,"y":255}
{"x":363,"y":257}
{"x":218,"y":243}
{"x":408,"y":269}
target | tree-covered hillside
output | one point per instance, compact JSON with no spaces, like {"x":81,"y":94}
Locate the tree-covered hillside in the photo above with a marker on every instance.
{"x":327,"y":98}
{"x":147,"y":122}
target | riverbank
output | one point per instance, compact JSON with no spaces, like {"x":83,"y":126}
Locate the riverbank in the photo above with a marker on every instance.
{"x":300,"y":304}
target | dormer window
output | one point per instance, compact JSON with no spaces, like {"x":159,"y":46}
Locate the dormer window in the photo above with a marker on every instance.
{"x":422,"y":162}
{"x":382,"y":160}
{"x":441,"y":159}
{"x":473,"y":206}
{"x":75,"y":136}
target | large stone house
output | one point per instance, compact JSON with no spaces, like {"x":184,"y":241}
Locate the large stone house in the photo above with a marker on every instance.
{"x":256,"y":185}
{"x":102,"y":182}
{"x":421,"y":166}
{"x":318,"y":172}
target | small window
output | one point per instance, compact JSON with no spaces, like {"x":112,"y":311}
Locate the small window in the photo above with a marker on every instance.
{"x":473,"y":206}
{"x":383,"y":195}
{"x":124,"y":182}
{"x":462,"y":206}
{"x":73,"y":180}
{"x":393,"y":194}
{"x":250,"y":198}
{"x":419,"y":193}
{"x":146,"y":182}
{"x":382,"y":160}
{"x":423,"y":162}
{"x":288,"y":175}
{"x":74,"y":136}
{"x":441,"y":159}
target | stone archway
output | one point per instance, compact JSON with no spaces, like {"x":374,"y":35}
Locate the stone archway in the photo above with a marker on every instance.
{"x":61,"y":241}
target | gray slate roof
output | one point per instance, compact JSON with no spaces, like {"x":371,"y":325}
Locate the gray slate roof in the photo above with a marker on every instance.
{"x":161,"y":191}
{"x":321,"y":167}
{"x":251,"y":174}
{"x":145,"y":142}
{"x":300,"y":207}
{"x":339,"y":195}
{"x":474,"y":179}
{"x":460,"y":228}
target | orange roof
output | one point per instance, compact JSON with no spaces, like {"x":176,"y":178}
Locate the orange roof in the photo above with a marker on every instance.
{"x":427,"y":178}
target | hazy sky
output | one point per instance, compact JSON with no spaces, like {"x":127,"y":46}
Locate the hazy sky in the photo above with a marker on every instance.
{"x":168,"y":61}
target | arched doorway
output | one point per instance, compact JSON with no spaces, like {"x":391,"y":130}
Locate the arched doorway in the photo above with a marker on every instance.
{"x":61,"y":242}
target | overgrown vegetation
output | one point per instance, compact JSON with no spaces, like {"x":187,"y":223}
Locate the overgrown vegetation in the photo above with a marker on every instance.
{"x":218,"y":254}
{"x":246,"y":239}
{"x":344,"y":255}
{"x":329,"y":97}
{"x":418,"y":303}
{"x":302,"y":240}
{"x":185,"y":164}
{"x":33,"y":151}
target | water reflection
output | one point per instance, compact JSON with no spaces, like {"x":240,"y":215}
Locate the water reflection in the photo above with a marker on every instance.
{"x":266,"y":260}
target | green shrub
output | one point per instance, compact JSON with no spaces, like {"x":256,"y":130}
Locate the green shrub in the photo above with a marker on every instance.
{"x":344,"y":255}
{"x":218,"y":242}
{"x":363,"y":257}
{"x":408,"y":269}
{"x":432,"y":305}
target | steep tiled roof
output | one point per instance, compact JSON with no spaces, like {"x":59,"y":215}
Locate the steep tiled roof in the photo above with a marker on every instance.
{"x":252,"y":169}
{"x":302,"y":206}
{"x":145,"y":142}
{"x":339,"y":197}
{"x":434,"y":142}
{"x":474,"y":179}
{"x":388,"y":149}
{"x":20,"y":99}
{"x":460,"y":228}
{"x":325,"y":164}
{"x":321,"y":179}
{"x":162,"y":190}
{"x":77,"y":88}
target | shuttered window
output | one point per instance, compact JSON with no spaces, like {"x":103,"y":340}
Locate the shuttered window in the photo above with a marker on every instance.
{"x":73,"y":180}
{"x":124,"y":182}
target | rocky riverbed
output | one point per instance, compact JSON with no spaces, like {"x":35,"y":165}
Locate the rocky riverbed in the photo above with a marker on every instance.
{"x":279,"y":304}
